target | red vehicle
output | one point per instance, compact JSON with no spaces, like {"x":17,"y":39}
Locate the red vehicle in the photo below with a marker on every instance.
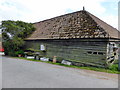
{"x":1,"y":49}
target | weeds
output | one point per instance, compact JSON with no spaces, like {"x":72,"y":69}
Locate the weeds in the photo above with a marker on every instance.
{"x":112,"y":69}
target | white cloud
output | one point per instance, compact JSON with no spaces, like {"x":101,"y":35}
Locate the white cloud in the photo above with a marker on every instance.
{"x":37,"y":10}
{"x":111,"y":19}
{"x":50,"y":8}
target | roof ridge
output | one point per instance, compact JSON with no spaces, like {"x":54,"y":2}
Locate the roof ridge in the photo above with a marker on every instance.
{"x":72,"y":25}
{"x":98,"y":21}
{"x":59,"y":16}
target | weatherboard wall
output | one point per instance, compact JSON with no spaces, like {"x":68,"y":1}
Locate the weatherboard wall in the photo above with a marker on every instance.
{"x":86,"y":51}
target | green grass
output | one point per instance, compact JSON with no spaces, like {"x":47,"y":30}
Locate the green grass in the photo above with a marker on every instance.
{"x":112,"y":69}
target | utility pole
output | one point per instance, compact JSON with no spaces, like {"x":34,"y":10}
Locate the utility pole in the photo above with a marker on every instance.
{"x":119,"y":34}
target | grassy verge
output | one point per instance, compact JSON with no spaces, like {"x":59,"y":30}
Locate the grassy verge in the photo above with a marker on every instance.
{"x":113,"y":69}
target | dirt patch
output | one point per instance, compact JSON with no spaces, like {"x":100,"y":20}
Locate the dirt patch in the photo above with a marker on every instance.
{"x":102,"y":75}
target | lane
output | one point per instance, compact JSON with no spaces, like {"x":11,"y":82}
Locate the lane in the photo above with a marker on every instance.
{"x":19,"y":73}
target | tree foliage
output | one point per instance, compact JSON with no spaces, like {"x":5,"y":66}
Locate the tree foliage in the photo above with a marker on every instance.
{"x":13,"y":35}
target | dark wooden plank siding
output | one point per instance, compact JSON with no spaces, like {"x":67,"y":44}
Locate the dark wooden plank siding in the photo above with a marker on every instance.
{"x":73,"y":50}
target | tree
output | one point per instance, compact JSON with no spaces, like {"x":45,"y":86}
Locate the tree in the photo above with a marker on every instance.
{"x":13,"y":35}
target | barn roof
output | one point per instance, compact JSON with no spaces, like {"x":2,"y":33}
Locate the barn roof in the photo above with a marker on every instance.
{"x":80,"y":24}
{"x":113,"y":32}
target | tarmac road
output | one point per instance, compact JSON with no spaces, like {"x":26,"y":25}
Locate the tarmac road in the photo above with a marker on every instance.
{"x":18,"y":73}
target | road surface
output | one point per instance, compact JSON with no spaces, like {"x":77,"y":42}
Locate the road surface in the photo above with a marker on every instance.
{"x":18,"y":73}
{"x":0,"y":72}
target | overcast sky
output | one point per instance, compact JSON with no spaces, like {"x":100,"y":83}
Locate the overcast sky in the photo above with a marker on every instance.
{"x":38,"y":10}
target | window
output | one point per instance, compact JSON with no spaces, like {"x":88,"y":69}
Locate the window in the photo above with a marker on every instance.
{"x":89,"y":52}
{"x":100,"y":53}
{"x":94,"y":52}
{"x":97,"y":53}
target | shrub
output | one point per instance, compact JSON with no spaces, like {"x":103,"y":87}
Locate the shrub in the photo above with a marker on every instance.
{"x":114,"y":67}
{"x":21,"y":52}
{"x":13,"y":35}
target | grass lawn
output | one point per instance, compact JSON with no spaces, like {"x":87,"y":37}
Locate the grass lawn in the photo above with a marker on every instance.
{"x":112,"y":69}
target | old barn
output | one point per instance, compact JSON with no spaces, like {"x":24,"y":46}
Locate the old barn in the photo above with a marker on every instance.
{"x":79,"y":37}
